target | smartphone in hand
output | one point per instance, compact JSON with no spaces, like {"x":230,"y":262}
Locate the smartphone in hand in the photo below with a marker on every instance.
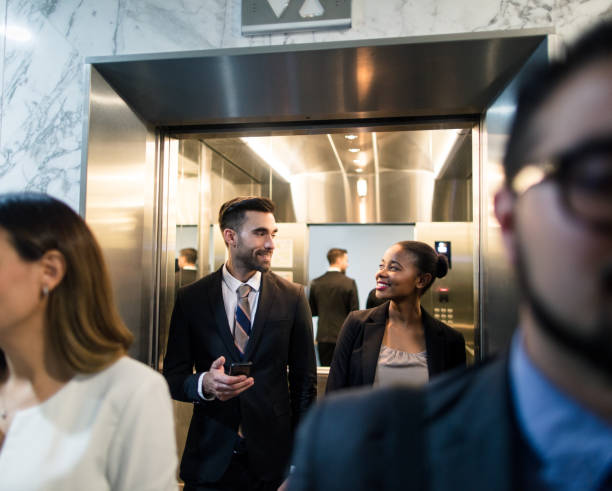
{"x":241,"y":368}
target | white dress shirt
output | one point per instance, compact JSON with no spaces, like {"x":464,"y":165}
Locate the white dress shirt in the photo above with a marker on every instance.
{"x":229,"y":289}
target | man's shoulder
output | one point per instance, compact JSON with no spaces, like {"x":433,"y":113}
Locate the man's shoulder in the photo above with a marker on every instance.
{"x":334,"y":278}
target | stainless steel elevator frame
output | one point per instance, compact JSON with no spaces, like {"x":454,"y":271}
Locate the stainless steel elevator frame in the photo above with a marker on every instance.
{"x":139,"y":106}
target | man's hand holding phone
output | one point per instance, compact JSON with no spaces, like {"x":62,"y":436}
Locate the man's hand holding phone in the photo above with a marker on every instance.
{"x":225,"y":387}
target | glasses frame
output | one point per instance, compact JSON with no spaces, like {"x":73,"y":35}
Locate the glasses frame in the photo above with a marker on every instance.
{"x":558,"y":169}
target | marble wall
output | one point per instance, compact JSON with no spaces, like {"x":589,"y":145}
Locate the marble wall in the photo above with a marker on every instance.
{"x":43,"y":44}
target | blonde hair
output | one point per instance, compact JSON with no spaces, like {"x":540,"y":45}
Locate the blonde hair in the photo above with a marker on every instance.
{"x":82,"y":321}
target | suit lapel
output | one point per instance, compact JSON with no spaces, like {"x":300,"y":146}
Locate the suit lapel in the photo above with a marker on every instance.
{"x":373,"y":333}
{"x":267,"y":294}
{"x":434,"y":344}
{"x":215,"y":297}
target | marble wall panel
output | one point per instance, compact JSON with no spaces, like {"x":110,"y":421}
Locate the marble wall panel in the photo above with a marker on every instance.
{"x":43,"y":80}
{"x":42,"y":108}
{"x":2,"y":37}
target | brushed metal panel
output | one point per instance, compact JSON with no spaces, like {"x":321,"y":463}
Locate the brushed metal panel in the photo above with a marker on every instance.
{"x":498,"y":292}
{"x":459,"y":281}
{"x":406,"y":77}
{"x":452,"y":200}
{"x":119,"y":205}
{"x":406,"y":196}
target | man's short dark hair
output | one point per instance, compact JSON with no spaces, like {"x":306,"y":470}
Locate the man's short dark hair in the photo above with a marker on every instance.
{"x":594,"y":46}
{"x":334,"y":254}
{"x":232,"y":212}
{"x":190,"y":255}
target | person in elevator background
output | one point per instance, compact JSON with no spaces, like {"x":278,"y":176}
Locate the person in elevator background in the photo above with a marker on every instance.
{"x":187,"y":272}
{"x":398,"y":341}
{"x":539,"y":417}
{"x":75,"y":412}
{"x":332,"y":297}
{"x":241,"y":431}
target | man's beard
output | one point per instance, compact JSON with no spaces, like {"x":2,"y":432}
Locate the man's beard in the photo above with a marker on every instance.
{"x":249,"y":262}
{"x":594,"y":348}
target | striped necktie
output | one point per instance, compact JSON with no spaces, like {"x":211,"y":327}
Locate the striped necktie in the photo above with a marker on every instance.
{"x":242,"y":330}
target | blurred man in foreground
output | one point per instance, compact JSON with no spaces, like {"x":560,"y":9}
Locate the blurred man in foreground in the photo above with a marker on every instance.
{"x":540,"y":418}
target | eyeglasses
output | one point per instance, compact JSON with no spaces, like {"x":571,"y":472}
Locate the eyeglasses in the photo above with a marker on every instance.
{"x":584,"y":174}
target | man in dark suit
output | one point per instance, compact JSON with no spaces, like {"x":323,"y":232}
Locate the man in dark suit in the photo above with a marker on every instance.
{"x":332,"y":297}
{"x":241,"y":431}
{"x":539,"y":418}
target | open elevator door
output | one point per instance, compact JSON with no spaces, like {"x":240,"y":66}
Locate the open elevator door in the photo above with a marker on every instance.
{"x":137,"y":102}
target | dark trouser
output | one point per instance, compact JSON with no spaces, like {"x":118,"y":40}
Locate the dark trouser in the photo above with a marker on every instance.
{"x":326,"y":353}
{"x":237,"y":477}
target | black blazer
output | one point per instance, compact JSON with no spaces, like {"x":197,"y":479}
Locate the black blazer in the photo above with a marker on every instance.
{"x":268,"y":411}
{"x":332,"y":297}
{"x":458,"y":433}
{"x":358,"y":347}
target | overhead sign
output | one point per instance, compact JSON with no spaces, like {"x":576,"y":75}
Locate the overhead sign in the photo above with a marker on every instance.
{"x":269,"y":16}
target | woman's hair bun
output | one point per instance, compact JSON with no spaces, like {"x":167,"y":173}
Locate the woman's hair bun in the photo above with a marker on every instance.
{"x":441,"y":266}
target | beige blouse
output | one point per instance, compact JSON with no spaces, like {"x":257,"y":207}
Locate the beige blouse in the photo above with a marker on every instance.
{"x":397,"y":367}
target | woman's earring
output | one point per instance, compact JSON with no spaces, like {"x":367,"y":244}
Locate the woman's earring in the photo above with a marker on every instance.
{"x":45,"y":290}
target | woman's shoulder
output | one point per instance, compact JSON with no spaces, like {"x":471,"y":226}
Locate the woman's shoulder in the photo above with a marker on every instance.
{"x":124,"y":378}
{"x":375,"y":314}
{"x":450,"y":332}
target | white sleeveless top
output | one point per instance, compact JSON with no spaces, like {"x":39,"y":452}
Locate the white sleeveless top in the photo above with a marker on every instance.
{"x":397,"y":367}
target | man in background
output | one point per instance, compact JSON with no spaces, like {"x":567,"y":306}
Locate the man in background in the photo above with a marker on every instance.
{"x":332,"y":297}
{"x":187,"y":272}
{"x":539,"y":418}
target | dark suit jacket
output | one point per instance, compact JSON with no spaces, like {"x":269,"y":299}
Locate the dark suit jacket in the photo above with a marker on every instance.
{"x":458,"y":433}
{"x":268,"y":411}
{"x":358,"y":347}
{"x":332,"y":297}
{"x":183,"y":277}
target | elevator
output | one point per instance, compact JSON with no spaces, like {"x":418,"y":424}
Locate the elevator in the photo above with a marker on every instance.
{"x":171,"y":136}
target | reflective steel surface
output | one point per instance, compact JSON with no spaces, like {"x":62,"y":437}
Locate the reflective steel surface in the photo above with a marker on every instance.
{"x":404,"y":77}
{"x":120,"y":205}
{"x":498,"y":291}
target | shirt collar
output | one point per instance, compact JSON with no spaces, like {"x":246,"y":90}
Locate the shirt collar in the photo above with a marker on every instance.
{"x":574,"y":445}
{"x":334,"y":268}
{"x":233,"y":283}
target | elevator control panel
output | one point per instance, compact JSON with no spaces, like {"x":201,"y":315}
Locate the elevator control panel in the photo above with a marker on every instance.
{"x":445,"y":314}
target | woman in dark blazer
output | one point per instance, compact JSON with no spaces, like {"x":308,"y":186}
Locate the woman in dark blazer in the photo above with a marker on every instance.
{"x":398,"y":341}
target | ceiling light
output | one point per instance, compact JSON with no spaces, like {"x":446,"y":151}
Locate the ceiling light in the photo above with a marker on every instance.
{"x":263,"y":148}
{"x":362,"y":187}
{"x":350,"y":137}
{"x":360,"y":162}
{"x":358,"y":170}
{"x":354,"y":150}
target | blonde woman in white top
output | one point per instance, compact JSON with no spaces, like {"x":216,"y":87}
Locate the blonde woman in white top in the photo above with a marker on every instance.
{"x":75,"y":412}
